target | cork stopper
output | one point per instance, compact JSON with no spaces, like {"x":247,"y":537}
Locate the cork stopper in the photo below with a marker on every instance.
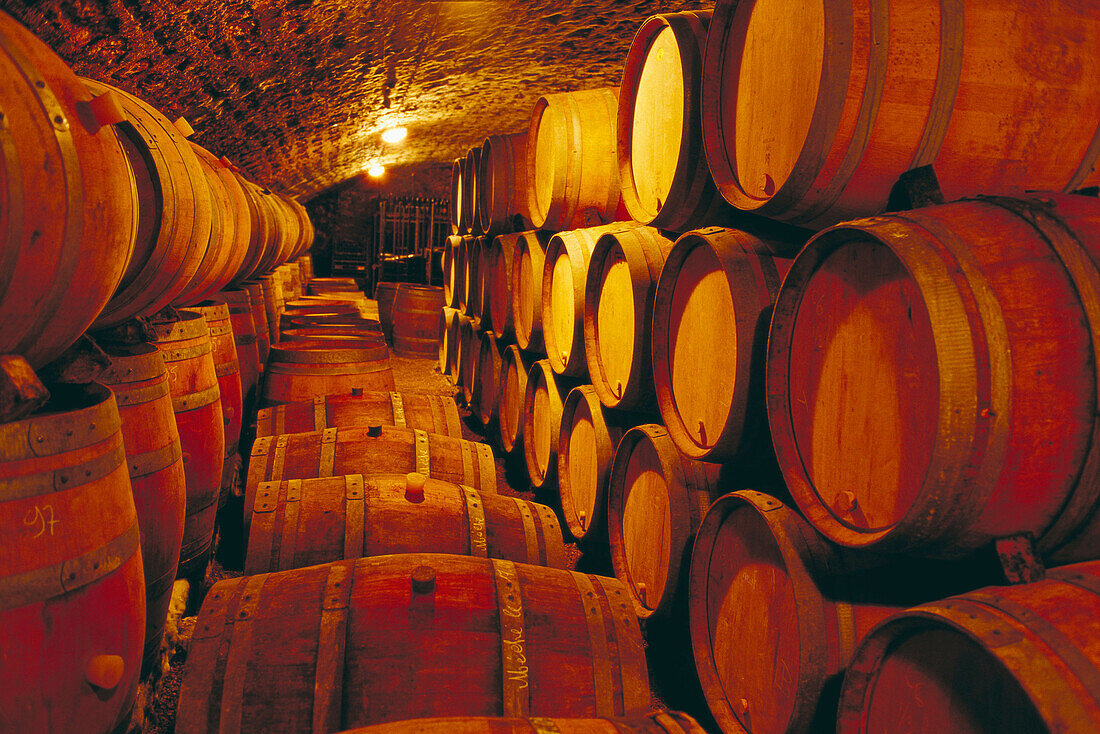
{"x":414,"y":487}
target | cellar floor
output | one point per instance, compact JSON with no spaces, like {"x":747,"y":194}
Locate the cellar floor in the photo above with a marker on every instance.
{"x":668,"y":647}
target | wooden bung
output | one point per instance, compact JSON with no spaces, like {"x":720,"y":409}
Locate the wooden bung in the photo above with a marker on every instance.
{"x":811,"y":111}
{"x":618,"y":306}
{"x":883,"y":439}
{"x":406,"y":636}
{"x":656,"y":498}
{"x":564,"y":272}
{"x":510,"y":396}
{"x":542,"y":405}
{"x":297,"y":523}
{"x":708,"y":339}
{"x":431,"y":413}
{"x":586,"y":448}
{"x":527,"y":269}
{"x":372,"y":450}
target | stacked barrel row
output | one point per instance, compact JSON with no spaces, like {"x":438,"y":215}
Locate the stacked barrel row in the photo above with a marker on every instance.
{"x":373,"y":532}
{"x":801,"y":451}
{"x":116,"y":226}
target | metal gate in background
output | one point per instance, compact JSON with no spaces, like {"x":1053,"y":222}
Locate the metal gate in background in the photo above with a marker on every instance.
{"x":406,"y":232}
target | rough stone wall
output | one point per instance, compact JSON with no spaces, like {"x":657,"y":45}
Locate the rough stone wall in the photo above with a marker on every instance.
{"x":298,"y":91}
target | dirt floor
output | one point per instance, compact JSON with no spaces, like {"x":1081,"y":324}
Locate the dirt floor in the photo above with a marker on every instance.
{"x":671,"y":669}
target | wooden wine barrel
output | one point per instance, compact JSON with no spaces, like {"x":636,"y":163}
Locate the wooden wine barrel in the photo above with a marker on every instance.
{"x":820,"y":137}
{"x":656,"y":722}
{"x":1004,"y":658}
{"x":448,"y":345}
{"x":662,"y":165}
{"x":708,"y":339}
{"x":572,"y":171}
{"x":307,"y":307}
{"x":372,"y":450}
{"x":484,"y":292}
{"x":385,"y":292}
{"x":416,"y":320}
{"x":542,"y":404}
{"x":259,"y":318}
{"x":317,"y":285}
{"x":196,"y":400}
{"x":618,"y":308}
{"x":651,"y":481}
{"x":502,"y":184}
{"x":273,"y":296}
{"x":69,"y":202}
{"x":259,"y":231}
{"x":586,"y":448}
{"x":563,"y":277}
{"x":329,"y":320}
{"x":510,"y":396}
{"x":458,"y":274}
{"x":769,"y":632}
{"x":473,"y":637}
{"x":292,"y":290}
{"x":471,"y":277}
{"x":469,"y":190}
{"x":452,"y":273}
{"x":486,"y":380}
{"x":347,"y":336}
{"x":431,"y":413}
{"x":527,"y":267}
{"x":943,"y":457}
{"x":303,"y":522}
{"x":244,"y":340}
{"x":469,"y":347}
{"x":173,"y":219}
{"x":458,"y":220}
{"x":274,"y":249}
{"x":154,"y":460}
{"x":498,"y":285}
{"x":454,"y":335}
{"x":72,"y":612}
{"x":298,"y":371}
{"x":227,"y":367}
{"x":230,"y":233}
{"x":295,"y":278}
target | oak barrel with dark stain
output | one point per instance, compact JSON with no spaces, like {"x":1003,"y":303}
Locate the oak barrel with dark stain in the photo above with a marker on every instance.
{"x":431,"y":413}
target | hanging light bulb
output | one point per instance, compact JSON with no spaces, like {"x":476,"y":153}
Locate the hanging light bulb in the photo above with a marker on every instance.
{"x":394,"y":134}
{"x":376,"y":170}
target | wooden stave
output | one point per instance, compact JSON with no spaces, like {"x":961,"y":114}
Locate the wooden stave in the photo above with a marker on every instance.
{"x":385,"y":292}
{"x":469,"y":190}
{"x":246,"y":341}
{"x":547,"y":625}
{"x":500,"y":203}
{"x":644,"y":250}
{"x":431,"y":413}
{"x":446,"y":357}
{"x":323,"y":511}
{"x":498,"y":285}
{"x":458,"y":223}
{"x":301,"y":456}
{"x":657,"y":722}
{"x":259,"y":319}
{"x":84,"y":577}
{"x":486,"y":380}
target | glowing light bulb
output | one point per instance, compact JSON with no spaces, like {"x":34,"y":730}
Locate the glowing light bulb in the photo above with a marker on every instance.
{"x":376,"y":171}
{"x":394,"y":134}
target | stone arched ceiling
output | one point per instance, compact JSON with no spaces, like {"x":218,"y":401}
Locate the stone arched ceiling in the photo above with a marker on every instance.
{"x":297,"y":92}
